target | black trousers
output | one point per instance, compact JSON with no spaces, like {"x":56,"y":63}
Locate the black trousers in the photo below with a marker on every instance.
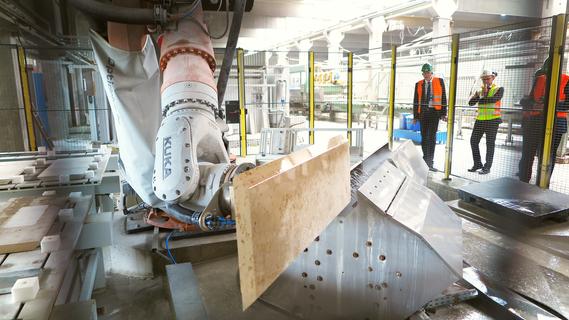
{"x":429,"y":126}
{"x":532,"y":130}
{"x":481,"y":127}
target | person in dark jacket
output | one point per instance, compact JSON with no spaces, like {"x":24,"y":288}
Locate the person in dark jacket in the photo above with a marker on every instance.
{"x":533,"y":121}
{"x":429,"y":105}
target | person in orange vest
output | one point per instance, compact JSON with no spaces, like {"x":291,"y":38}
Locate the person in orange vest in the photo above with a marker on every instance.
{"x":488,"y":120}
{"x":429,"y":105}
{"x":533,"y":120}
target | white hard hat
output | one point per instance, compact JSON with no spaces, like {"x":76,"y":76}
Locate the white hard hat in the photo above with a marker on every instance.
{"x":487,"y":73}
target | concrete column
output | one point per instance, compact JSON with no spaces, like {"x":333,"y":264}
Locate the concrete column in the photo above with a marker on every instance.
{"x":335,"y":53}
{"x":553,"y":7}
{"x":375,"y":27}
{"x":303,"y":47}
{"x":282,"y":56}
{"x":444,"y":9}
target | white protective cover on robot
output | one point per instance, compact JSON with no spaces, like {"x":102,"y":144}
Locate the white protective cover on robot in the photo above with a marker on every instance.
{"x":132,"y":85}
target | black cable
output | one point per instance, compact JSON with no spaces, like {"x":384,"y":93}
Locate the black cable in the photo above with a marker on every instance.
{"x":226,"y":22}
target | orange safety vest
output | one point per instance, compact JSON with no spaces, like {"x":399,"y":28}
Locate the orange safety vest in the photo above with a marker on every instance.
{"x":539,"y":91}
{"x":437,"y":93}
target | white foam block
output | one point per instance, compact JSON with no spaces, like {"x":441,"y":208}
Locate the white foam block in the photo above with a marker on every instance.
{"x":48,"y":193}
{"x":93,"y":166}
{"x":25,"y":289}
{"x":65,"y":214}
{"x":30,"y":170}
{"x":98,"y":158}
{"x":64,"y":179}
{"x":42,"y":149}
{"x":40,"y":162}
{"x":18,"y":179}
{"x":50,"y":243}
{"x":75,"y":194}
{"x":89,"y":174}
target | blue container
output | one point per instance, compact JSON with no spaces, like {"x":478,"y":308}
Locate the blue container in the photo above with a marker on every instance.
{"x":411,"y":126}
{"x":403,"y":120}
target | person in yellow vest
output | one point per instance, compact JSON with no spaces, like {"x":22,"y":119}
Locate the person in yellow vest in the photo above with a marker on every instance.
{"x":533,"y":121}
{"x":488,"y":119}
{"x":429,"y":105}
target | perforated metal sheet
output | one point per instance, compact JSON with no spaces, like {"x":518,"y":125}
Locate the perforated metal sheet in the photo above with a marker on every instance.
{"x":367,"y":264}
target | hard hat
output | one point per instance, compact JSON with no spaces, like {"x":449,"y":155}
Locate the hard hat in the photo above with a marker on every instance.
{"x":487,"y":73}
{"x":427,"y":68}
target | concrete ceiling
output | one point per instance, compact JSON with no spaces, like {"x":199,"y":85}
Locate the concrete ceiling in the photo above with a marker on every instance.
{"x":273,"y":22}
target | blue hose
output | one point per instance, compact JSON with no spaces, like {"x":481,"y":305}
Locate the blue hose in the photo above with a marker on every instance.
{"x":168,"y":248}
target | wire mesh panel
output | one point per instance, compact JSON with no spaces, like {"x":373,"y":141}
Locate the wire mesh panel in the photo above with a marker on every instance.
{"x":68,"y":97}
{"x":276,"y":94}
{"x":371,"y":73}
{"x":52,"y":97}
{"x":330,"y":93}
{"x":14,"y":136}
{"x":421,"y":96}
{"x":495,"y":125}
{"x":560,"y":149}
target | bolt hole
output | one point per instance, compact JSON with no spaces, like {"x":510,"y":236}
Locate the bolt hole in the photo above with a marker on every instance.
{"x":370,"y":285}
{"x":375,"y":187}
{"x":312,"y":287}
{"x":341,"y":221}
{"x":398,"y":274}
{"x":319,"y":278}
{"x":355,"y":255}
{"x":317,"y":262}
{"x":377,"y":287}
{"x":368,"y":243}
{"x":370,"y":269}
{"x":304,"y":274}
{"x":382,"y":258}
{"x":163,"y":196}
{"x":317,"y":238}
{"x":384,"y":284}
{"x":305,"y":249}
{"x":329,"y":252}
{"x":178,"y":192}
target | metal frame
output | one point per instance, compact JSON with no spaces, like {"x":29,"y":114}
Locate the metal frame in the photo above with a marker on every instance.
{"x":556,"y":49}
{"x":27,"y":99}
{"x":391,"y":97}
{"x":451,"y":105}
{"x":350,"y":93}
{"x":311,"y":96}
{"x":242,"y":109}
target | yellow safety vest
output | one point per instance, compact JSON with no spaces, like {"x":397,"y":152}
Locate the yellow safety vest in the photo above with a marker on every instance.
{"x":489,"y":111}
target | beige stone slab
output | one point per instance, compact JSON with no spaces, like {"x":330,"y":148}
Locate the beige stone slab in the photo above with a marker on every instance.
{"x":19,"y":229}
{"x":282,"y":206}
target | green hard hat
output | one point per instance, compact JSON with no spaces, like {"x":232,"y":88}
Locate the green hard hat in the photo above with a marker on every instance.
{"x":427,"y":68}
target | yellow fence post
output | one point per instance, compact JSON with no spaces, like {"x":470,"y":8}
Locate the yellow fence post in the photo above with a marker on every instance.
{"x":556,"y":52}
{"x":350,"y":93}
{"x":311,"y":96}
{"x":451,"y":105}
{"x":27,"y":99}
{"x":242,"y":109}
{"x":391,"y":113}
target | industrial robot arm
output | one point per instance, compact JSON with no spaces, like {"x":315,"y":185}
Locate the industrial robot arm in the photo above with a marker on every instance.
{"x":191,"y":168}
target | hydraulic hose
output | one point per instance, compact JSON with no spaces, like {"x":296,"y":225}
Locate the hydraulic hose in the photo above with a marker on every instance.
{"x":238,"y":9}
